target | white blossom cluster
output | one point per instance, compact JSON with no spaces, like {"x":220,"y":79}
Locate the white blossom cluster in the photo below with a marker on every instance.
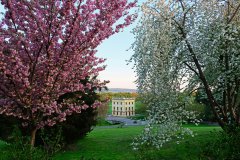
{"x":160,"y":76}
{"x":181,"y":45}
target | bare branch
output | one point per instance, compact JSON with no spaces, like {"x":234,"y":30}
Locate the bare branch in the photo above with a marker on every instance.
{"x":234,"y":14}
{"x":191,"y":68}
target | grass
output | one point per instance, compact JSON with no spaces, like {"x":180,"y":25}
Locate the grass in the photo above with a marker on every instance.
{"x":114,"y":144}
{"x":102,"y":122}
{"x":104,"y":143}
{"x":189,"y":148}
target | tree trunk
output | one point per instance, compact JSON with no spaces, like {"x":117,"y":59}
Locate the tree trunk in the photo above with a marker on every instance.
{"x":33,"y":136}
{"x":202,"y":77}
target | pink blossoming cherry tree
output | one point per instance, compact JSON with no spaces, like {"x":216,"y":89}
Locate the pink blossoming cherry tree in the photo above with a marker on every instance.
{"x":46,"y":48}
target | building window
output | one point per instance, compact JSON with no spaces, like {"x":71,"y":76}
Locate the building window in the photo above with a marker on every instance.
{"x":117,"y":102}
{"x":129,"y":108}
{"x":113,"y":102}
{"x":132,"y":102}
{"x":121,"y":103}
{"x":132,"y":108}
{"x":129,"y":102}
{"x":117,"y":108}
{"x":121,"y":108}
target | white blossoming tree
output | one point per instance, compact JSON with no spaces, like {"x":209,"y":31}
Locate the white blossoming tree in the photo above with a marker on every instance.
{"x":181,"y":42}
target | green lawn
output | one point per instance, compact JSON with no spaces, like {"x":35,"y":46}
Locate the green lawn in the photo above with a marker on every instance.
{"x":104,"y":143}
{"x":114,"y":144}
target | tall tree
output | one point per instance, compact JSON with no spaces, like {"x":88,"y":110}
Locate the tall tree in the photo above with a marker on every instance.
{"x":195,"y":42}
{"x":46,"y":48}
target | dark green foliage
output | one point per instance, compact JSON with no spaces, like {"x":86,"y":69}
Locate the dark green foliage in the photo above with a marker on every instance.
{"x":7,"y":126}
{"x":51,"y":141}
{"x":225,"y":147}
{"x":83,"y":158}
{"x":141,"y":108}
{"x":22,"y":151}
{"x":19,"y":150}
{"x":139,"y":117}
{"x":110,"y":95}
{"x":77,"y":125}
{"x":202,"y":99}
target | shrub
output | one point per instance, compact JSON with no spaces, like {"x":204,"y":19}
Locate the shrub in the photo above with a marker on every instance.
{"x":18,"y":149}
{"x":8,"y":124}
{"x":225,"y":147}
{"x":78,"y":125}
{"x":141,"y":108}
{"x":21,"y":151}
{"x":75,"y":127}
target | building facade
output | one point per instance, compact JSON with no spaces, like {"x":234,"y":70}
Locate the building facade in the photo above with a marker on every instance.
{"x":123,"y":107}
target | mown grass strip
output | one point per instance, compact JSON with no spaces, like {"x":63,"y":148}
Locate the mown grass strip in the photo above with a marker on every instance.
{"x":114,"y":144}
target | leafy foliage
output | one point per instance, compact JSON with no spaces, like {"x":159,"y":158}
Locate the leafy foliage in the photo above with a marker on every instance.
{"x":46,"y":49}
{"x":52,"y":139}
{"x":201,"y":98}
{"x":185,"y":45}
{"x":8,"y":125}
{"x":19,"y":150}
{"x":225,"y":146}
{"x":110,"y":95}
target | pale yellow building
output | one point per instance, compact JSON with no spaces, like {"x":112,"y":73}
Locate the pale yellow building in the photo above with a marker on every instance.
{"x":123,"y":107}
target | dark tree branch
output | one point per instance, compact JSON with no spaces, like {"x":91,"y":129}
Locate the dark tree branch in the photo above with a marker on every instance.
{"x":191,"y":68}
{"x":202,"y":77}
{"x":234,"y":14}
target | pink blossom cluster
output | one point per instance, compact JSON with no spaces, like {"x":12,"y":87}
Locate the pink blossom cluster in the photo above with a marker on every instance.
{"x":47,"y":47}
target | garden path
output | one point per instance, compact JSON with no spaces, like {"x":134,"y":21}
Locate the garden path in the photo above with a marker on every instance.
{"x":126,"y":121}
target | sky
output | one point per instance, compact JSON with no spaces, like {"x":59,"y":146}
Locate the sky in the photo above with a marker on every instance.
{"x":116,"y":50}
